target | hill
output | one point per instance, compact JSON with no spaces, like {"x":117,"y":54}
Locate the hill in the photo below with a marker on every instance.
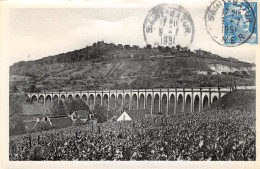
{"x":245,"y":100}
{"x":110,"y":66}
{"x":21,"y":105}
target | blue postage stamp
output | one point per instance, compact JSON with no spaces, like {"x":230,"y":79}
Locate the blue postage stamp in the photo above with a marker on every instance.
{"x":240,"y":23}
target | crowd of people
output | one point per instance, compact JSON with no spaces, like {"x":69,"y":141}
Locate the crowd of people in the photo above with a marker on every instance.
{"x":213,"y":135}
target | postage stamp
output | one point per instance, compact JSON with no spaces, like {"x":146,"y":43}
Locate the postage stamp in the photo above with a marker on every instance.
{"x":240,"y":23}
{"x":166,"y":23}
{"x":232,"y":23}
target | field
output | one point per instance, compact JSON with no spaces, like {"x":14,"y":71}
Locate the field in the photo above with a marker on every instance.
{"x":216,"y":134}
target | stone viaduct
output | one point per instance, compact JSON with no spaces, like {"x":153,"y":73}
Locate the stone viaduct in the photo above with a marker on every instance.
{"x":168,"y":101}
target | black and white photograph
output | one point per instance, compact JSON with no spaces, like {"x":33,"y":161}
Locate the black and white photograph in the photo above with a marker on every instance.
{"x":94,"y":81}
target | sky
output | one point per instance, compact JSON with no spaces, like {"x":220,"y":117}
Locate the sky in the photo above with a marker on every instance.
{"x":34,"y":32}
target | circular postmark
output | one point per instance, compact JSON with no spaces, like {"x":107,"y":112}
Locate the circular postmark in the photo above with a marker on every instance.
{"x":230,"y":23}
{"x":168,"y":25}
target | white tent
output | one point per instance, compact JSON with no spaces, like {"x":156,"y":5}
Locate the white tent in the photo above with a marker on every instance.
{"x":124,"y":117}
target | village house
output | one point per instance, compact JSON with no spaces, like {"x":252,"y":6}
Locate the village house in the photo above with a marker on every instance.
{"x":130,"y":115}
{"x":81,"y":115}
{"x":60,"y":121}
{"x":53,"y":121}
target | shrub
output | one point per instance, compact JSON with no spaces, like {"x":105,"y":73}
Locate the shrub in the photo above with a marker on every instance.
{"x":16,"y":125}
{"x":100,"y":113}
{"x":43,"y":126}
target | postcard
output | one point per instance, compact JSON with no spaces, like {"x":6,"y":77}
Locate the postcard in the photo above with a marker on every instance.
{"x":129,"y":84}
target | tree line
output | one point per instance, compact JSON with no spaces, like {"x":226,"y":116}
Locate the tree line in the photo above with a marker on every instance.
{"x":102,"y":50}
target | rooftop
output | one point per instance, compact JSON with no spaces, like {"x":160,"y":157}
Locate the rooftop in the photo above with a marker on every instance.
{"x":137,"y":114}
{"x":61,"y":122}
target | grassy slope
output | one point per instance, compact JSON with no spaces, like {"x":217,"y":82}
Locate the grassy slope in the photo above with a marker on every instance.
{"x":237,"y":99}
{"x":137,"y":73}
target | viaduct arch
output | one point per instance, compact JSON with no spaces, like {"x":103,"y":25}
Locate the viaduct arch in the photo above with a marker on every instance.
{"x":167,"y":101}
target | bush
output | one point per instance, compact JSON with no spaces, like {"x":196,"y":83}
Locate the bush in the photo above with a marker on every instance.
{"x":74,"y":105}
{"x":13,"y":87}
{"x":33,"y":89}
{"x":43,"y":126}
{"x":100,"y":113}
{"x":16,"y":125}
{"x":58,"y":108}
{"x":78,"y":122}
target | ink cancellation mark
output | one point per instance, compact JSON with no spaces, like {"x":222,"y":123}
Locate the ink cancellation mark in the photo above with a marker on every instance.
{"x":232,"y":23}
{"x":168,"y":25}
